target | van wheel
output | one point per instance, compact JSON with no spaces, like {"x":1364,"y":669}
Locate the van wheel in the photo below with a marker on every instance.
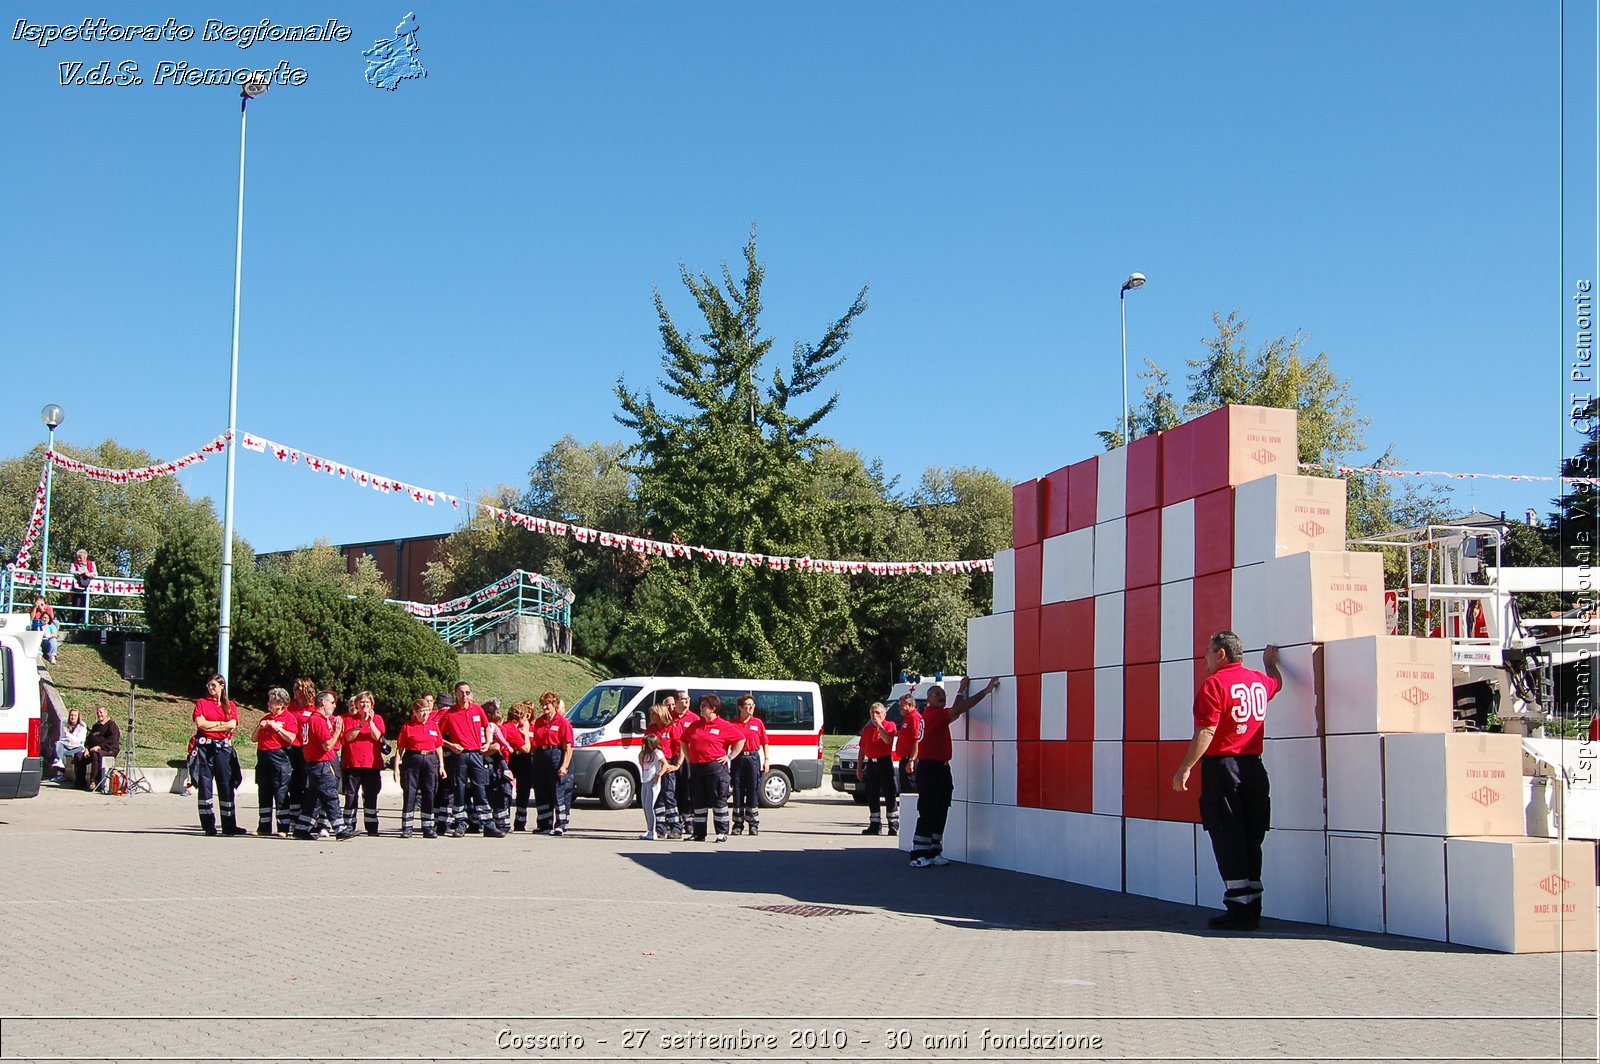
{"x":775,"y":790}
{"x":617,"y":789}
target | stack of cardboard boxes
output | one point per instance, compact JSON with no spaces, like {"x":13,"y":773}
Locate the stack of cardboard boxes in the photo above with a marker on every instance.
{"x":1121,"y":568}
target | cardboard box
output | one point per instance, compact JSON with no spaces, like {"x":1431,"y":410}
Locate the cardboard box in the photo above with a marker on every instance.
{"x":1294,"y":875}
{"x":1141,"y":703}
{"x":1068,"y":566}
{"x":1388,"y":683}
{"x":1110,"y":556}
{"x":1170,"y":804}
{"x":1355,"y":881}
{"x":1413,"y":886}
{"x":1141,"y":625}
{"x":1108,"y":623}
{"x":1294,"y":767}
{"x":1029,"y":562}
{"x":1052,"y":707}
{"x":1282,"y":515}
{"x":1030,"y":763}
{"x":991,"y":645}
{"x":1252,"y":616}
{"x":1049,"y":859}
{"x":1158,"y":860}
{"x":908,"y":820}
{"x":1296,"y":711}
{"x":1139,"y":766}
{"x":1208,"y":888}
{"x":1318,"y":597}
{"x":1078,"y":796}
{"x":1521,"y":895}
{"x":997,"y":713}
{"x":1054,"y":493}
{"x":1144,"y":473}
{"x":1238,"y":444}
{"x":1111,"y":486}
{"x":980,"y":773}
{"x":1106,"y":796}
{"x":1212,"y":608}
{"x":1108,"y":722}
{"x":1025,"y":640}
{"x":1092,"y":850}
{"x":1083,"y":509}
{"x":1179,"y":640}
{"x":1005,"y":581}
{"x":1143,"y":554}
{"x":1355,"y":783}
{"x":1453,"y":784}
{"x":1080,"y":706}
{"x":1054,"y":779}
{"x":960,"y":773}
{"x":1213,"y":532}
{"x":1177,"y":542}
{"x":1025,"y":516}
{"x":1066,"y":635}
{"x":1005,"y":772}
{"x":1177,"y":700}
{"x":992,"y":835}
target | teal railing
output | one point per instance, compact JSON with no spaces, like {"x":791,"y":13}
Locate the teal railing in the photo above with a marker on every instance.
{"x":113,"y":602}
{"x":520,"y":594}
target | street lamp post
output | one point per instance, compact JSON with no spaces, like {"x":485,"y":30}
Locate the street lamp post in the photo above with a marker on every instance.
{"x":1135,"y":280}
{"x":52,"y":416}
{"x":254,"y":87}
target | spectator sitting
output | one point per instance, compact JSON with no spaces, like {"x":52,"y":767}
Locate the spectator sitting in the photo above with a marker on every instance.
{"x":105,"y":741}
{"x":73,"y":734}
{"x":52,"y":640}
{"x":40,"y":613}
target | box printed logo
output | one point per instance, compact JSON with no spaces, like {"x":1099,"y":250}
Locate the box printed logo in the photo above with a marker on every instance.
{"x":1554,"y":884}
{"x":1349,"y":607}
{"x":1311,"y":530}
{"x":1262,"y":456}
{"x":1415,"y":695}
{"x":1485,"y":796}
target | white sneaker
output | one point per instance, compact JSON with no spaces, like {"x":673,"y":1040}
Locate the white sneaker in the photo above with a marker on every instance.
{"x":722,"y":836}
{"x":939,"y":861}
{"x":647,"y":837}
{"x":922,"y":862}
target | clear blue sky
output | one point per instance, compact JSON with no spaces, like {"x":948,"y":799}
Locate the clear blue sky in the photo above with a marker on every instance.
{"x":442,"y":280}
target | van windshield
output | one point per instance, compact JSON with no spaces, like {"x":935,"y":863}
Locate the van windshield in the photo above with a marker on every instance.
{"x":595,"y":709}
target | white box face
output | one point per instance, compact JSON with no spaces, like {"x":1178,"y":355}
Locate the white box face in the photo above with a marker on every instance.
{"x":1007,"y":848}
{"x":1521,"y":895}
{"x":1208,"y":888}
{"x":1177,"y":700}
{"x":1141,"y":858}
{"x":959,"y":780}
{"x":1005,"y":581}
{"x":1108,"y":630}
{"x":1108,"y":703}
{"x":982,"y":823}
{"x":1177,"y":622}
{"x":1002,"y":711}
{"x":1107,"y":794}
{"x":979,"y":766}
{"x":1177,"y":541}
{"x":1295,"y":712}
{"x":1323,"y":596}
{"x":1093,"y":854}
{"x":1251,"y":617}
{"x":1458,"y":784}
{"x":1053,"y":706}
{"x":1413,"y":886}
{"x":1068,"y":566}
{"x":908,"y":819}
{"x":1388,"y":684}
{"x":1355,"y":783}
{"x":955,"y":830}
{"x":1294,"y":767}
{"x":1294,"y":872}
{"x":1042,"y":842}
{"x":1159,"y":860}
{"x":1355,"y":881}
{"x":1281,"y":515}
{"x":990,"y":645}
{"x":1111,"y":489}
{"x":1005,"y":773}
{"x":1110,"y":556}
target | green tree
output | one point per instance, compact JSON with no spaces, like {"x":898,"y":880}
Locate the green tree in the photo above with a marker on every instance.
{"x":182,"y":590}
{"x":119,"y":525}
{"x":732,"y":465}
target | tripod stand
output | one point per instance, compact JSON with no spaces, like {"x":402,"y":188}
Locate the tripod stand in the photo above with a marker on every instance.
{"x":131,"y":773}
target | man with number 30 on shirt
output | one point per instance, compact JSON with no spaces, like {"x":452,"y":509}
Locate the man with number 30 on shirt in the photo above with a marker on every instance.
{"x":1235,"y":799}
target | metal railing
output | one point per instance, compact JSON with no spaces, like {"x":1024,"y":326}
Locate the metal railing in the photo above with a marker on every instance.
{"x":113,"y":602}
{"x":520,"y":594}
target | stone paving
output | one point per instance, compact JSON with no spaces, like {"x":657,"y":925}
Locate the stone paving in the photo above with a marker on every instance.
{"x":598,"y":946}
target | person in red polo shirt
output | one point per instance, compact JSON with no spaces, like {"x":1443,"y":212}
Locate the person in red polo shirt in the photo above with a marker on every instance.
{"x":749,"y":769}
{"x":876,"y":770}
{"x":319,"y":740}
{"x":906,"y":740}
{"x":464,"y":728}
{"x":213,"y":766}
{"x":418,"y":767}
{"x":519,"y":738}
{"x":361,"y":757}
{"x":302,"y":705}
{"x":552,"y":758}
{"x":1230,"y":711}
{"x":935,"y":787}
{"x":669,"y":825}
{"x":710,"y":744}
{"x":275,"y":737}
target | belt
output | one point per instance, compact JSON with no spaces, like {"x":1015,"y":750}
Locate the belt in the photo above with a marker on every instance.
{"x":420,"y":753}
{"x":201,"y":741}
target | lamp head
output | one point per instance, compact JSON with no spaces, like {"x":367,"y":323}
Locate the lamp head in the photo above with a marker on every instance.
{"x":254,"y":86}
{"x":52,"y":416}
{"x":1135,"y":280}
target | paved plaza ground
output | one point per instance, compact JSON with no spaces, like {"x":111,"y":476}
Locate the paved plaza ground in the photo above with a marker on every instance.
{"x":599,"y":946}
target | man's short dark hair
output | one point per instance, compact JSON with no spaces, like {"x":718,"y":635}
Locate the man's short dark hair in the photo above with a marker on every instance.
{"x":1231,"y":646}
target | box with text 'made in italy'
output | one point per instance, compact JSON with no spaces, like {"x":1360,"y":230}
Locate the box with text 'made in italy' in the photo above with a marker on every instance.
{"x":1229,"y":446}
{"x":1318,"y":596}
{"x":1280,"y":515}
{"x":1521,"y":895}
{"x":1387,"y":684}
{"x":1463,"y":783}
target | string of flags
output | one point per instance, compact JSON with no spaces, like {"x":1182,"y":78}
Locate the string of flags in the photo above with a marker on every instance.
{"x":144,"y":473}
{"x":1347,"y":470}
{"x":35,"y":519}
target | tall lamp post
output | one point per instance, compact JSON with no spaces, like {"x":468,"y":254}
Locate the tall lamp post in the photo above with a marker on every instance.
{"x":254,"y":87}
{"x":1135,"y":280}
{"x":52,"y":416}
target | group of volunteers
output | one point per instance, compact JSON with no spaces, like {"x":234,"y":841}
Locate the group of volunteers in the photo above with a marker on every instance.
{"x":462,"y":767}
{"x":695,"y":768}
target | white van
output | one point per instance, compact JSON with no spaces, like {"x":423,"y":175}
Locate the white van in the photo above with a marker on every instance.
{"x":608,"y":722}
{"x":844,"y":761}
{"x":21,"y":763}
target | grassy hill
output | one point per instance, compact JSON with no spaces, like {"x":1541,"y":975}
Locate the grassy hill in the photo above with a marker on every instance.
{"x":86,"y":677}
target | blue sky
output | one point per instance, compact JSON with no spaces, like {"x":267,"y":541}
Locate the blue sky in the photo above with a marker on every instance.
{"x":442,"y":280}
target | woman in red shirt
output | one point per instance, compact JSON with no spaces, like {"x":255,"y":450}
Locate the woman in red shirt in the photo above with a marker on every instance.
{"x":519,"y":736}
{"x":711,"y":744}
{"x":213,"y":766}
{"x":552,"y":755}
{"x":418,"y":767}
{"x":668,"y":823}
{"x":275,"y":737}
{"x":361,"y":759}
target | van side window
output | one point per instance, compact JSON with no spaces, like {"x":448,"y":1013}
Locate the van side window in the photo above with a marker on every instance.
{"x":8,"y":683}
{"x":787,"y":710}
{"x":595,"y":709}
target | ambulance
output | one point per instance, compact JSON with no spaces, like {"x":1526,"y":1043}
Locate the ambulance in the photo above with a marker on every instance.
{"x":21,"y":763}
{"x":608,"y":722}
